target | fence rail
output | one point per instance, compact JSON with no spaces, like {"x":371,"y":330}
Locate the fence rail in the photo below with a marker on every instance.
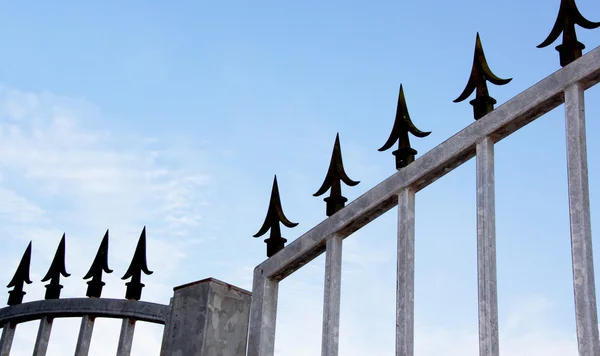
{"x":88,"y":309}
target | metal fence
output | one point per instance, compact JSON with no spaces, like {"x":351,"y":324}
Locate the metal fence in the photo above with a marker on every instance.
{"x":88,"y":309}
{"x":476,"y":140}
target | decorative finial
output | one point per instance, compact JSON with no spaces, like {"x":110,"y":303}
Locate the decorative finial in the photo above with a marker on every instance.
{"x":402,"y":126}
{"x":568,"y":17}
{"x":137,"y":266}
{"x":99,"y":265}
{"x":274,"y":216}
{"x":335,"y":176}
{"x":57,"y":267}
{"x":480,"y":73}
{"x":21,"y":276}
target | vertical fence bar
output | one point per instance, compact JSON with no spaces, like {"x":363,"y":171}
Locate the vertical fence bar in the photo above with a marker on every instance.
{"x":8,"y":333}
{"x":405,"y":285}
{"x":486,"y":250}
{"x":85,"y":336}
{"x":126,"y":337}
{"x":331,"y":305}
{"x":581,"y":231}
{"x":263,"y":316}
{"x":164,"y":345}
{"x":43,"y":337}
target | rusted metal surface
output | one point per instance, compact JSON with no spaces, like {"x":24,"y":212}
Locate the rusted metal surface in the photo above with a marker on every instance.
{"x":57,"y":268}
{"x":336,"y":174}
{"x":84,"y":340}
{"x":136,"y":267}
{"x":126,"y":337}
{"x":402,"y":126}
{"x":8,"y":334}
{"x":99,"y":265}
{"x":568,"y":16}
{"x":480,"y":75}
{"x":21,"y":277}
{"x":275,"y":215}
{"x":43,"y":336}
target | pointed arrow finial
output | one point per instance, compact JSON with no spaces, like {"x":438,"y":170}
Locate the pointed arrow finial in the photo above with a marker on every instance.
{"x":57,"y":268}
{"x":402,"y":126}
{"x":568,"y":17}
{"x":274,"y":216}
{"x":21,"y":276}
{"x":137,"y":266}
{"x":334,"y":178}
{"x":99,"y":265}
{"x":480,"y":74}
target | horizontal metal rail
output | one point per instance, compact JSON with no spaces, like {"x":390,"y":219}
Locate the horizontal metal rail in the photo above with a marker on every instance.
{"x":78,"y":307}
{"x":506,"y":119}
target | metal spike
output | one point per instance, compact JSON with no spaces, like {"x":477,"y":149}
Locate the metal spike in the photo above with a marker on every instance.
{"x":99,"y":265}
{"x":274,"y":216}
{"x":137,"y":266}
{"x":21,"y":276}
{"x":480,"y":74}
{"x":402,"y":126}
{"x":334,"y":178}
{"x":57,"y":268}
{"x":568,"y":17}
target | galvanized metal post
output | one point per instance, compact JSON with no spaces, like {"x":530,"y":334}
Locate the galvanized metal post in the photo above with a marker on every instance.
{"x":43,"y":337}
{"x":486,"y":250}
{"x":8,"y":333}
{"x":331,"y":304}
{"x":208,"y":318}
{"x":126,"y":337}
{"x":85,"y":336}
{"x":581,"y":230}
{"x":263,"y":315}
{"x":405,"y":285}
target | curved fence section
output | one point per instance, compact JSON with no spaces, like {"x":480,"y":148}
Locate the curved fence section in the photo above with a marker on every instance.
{"x":88,"y":309}
{"x":78,"y":307}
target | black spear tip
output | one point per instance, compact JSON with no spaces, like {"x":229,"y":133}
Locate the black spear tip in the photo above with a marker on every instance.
{"x":99,"y":265}
{"x":402,"y":126}
{"x":57,"y":268}
{"x":568,"y":17}
{"x":21,"y":277}
{"x":137,"y":266}
{"x":275,"y":213}
{"x":274,"y":217}
{"x":480,"y":75}
{"x":335,"y":175}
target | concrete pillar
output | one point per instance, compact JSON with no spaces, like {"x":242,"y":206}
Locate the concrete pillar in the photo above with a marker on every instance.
{"x":208,"y":318}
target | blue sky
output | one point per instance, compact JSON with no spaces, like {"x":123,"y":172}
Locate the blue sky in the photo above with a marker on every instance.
{"x":176,"y":115}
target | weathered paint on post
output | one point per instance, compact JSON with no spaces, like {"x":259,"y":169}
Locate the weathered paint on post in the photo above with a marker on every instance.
{"x":85,"y":336}
{"x":331,"y":305}
{"x":126,"y":337}
{"x":581,"y":230}
{"x":43,"y":337}
{"x":208,"y":318}
{"x":8,"y":333}
{"x":486,"y":250}
{"x":263,"y":315}
{"x":405,"y":284}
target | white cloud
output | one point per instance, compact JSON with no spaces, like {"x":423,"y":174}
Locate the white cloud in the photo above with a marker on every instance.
{"x":60,"y":175}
